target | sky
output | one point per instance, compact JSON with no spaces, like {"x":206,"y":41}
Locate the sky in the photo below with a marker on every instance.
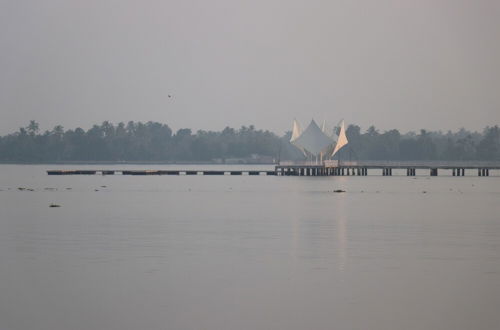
{"x":403,"y":64}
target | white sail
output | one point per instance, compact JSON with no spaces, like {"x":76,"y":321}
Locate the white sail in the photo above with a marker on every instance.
{"x":296,"y":130}
{"x":296,"y":133}
{"x":342,"y":140}
{"x":325,"y":128}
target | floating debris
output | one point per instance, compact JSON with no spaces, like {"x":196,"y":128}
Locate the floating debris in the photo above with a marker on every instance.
{"x":54,"y":205}
{"x":50,"y":189}
{"x":96,"y":189}
{"x":339,"y":191}
{"x":424,"y":192}
{"x":69,"y":188}
{"x":25,"y":189}
{"x":103,"y":186}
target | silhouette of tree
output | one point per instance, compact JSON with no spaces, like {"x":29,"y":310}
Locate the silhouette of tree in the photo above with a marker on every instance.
{"x":152,"y":141}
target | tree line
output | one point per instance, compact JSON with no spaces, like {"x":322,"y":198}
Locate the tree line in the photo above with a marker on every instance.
{"x":424,"y":145}
{"x":152,"y":141}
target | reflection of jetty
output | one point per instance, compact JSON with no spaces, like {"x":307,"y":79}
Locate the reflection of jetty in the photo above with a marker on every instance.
{"x":327,"y":168}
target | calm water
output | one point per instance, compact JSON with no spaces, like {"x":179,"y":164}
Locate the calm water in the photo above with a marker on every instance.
{"x":216,"y":253}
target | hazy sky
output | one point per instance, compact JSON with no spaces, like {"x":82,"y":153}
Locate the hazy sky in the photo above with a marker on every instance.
{"x":408,"y":64}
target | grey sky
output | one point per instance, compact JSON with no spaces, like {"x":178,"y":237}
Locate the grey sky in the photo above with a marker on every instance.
{"x":403,"y":63}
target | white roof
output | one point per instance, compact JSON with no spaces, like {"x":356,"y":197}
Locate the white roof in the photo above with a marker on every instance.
{"x":313,"y":140}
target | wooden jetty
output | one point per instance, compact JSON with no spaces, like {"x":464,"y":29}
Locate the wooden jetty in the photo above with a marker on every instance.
{"x":385,"y":168}
{"x":162,"y":172}
{"x":328,"y":168}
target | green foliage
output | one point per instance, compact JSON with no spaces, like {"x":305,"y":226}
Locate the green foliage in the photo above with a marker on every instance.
{"x":151,"y":141}
{"x":392,"y":145}
{"x":135,"y":141}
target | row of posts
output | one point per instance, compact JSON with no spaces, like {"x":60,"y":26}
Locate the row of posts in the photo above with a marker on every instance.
{"x":303,"y":171}
{"x":457,"y":172}
{"x":387,"y":171}
{"x":322,"y":171}
{"x":411,"y":172}
{"x":362,"y":171}
{"x":480,"y":172}
{"x":359,"y":171}
{"x":483,"y":172}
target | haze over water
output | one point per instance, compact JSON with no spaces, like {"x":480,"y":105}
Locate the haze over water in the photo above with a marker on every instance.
{"x":238,"y":252}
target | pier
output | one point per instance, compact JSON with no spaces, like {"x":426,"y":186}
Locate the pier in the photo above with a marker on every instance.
{"x":386,"y":168}
{"x":328,"y":168}
{"x":160,"y":172}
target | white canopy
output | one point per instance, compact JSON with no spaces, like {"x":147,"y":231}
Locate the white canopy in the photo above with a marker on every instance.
{"x":312,"y":139}
{"x":328,"y":130}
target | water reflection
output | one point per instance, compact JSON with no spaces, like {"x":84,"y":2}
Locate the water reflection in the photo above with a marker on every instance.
{"x":341,"y":220}
{"x":321,"y":239}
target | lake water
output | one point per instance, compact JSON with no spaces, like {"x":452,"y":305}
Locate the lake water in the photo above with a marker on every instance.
{"x":239,"y":252}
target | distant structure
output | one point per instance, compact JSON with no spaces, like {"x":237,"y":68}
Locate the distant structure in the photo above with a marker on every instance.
{"x":317,"y":143}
